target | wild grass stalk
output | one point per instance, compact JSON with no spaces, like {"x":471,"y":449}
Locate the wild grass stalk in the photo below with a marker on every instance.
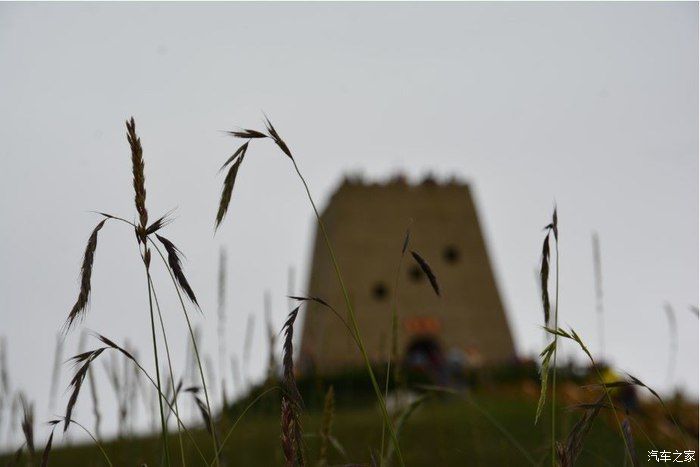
{"x":170,"y":371}
{"x":235,"y":374}
{"x":633,"y":381}
{"x":194,"y":391}
{"x":247,"y":345}
{"x":94,"y":439}
{"x":549,"y":354}
{"x":164,"y":427}
{"x":195,"y":346}
{"x":4,"y":382}
{"x":85,"y":359}
{"x":271,"y":340}
{"x":209,"y":370}
{"x":227,"y":190}
{"x":93,"y":388}
{"x":598,"y":281}
{"x":134,"y":389}
{"x":56,"y":371}
{"x":568,"y":452}
{"x":346,"y":297}
{"x":28,"y":426}
{"x":111,"y":367}
{"x":672,"y":341}
{"x":47,"y":449}
{"x":143,"y":233}
{"x":292,"y":434}
{"x":555,"y":230}
{"x":394,"y":346}
{"x":221,"y":322}
{"x":572,"y":335}
{"x":401,"y":421}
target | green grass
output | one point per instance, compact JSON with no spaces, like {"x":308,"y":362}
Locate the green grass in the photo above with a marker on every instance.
{"x":442,"y":432}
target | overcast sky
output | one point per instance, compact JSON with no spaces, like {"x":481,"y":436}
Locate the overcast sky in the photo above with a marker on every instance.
{"x":594,"y":106}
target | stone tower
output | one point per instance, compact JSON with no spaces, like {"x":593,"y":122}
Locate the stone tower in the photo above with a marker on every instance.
{"x":366,"y":224}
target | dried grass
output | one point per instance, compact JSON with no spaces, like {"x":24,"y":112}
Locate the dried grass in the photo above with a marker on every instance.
{"x":47,"y":449}
{"x":229,"y":181}
{"x":81,"y":304}
{"x":28,"y":424}
{"x":138,"y":169}
{"x":427,"y":270}
{"x":568,"y":452}
{"x":84,"y":359}
{"x":292,"y":443}
{"x":176,"y":267}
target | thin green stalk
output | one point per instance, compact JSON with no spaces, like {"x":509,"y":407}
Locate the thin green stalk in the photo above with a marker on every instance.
{"x":170,"y":368}
{"x":155,"y":355}
{"x":194,"y":346}
{"x":353,"y":319}
{"x":189,"y":327}
{"x":97,"y":443}
{"x":386,"y":395}
{"x":554,"y":359}
{"x":394,"y":343}
{"x":238,"y":419}
{"x":576,"y":338}
{"x":612,"y":406}
{"x":170,"y":406}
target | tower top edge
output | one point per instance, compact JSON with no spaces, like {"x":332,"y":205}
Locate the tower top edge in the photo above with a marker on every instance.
{"x":399,"y":181}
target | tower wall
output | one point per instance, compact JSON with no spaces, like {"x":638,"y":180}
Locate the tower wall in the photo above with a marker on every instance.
{"x":367,"y":225}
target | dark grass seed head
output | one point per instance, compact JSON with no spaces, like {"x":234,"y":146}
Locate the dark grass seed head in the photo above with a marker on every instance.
{"x":227,"y":190}
{"x":81,"y":304}
{"x":277,"y":139}
{"x":77,"y":382}
{"x":176,"y":267}
{"x":28,"y":423}
{"x":138,"y":169}
{"x":427,"y":270}
{"x":544,"y":279}
{"x":247,"y":134}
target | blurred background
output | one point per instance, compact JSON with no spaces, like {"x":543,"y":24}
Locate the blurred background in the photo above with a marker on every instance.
{"x":592,"y":107}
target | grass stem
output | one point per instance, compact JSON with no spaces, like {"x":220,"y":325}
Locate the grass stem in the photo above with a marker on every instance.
{"x":164,"y":427}
{"x":194,"y":347}
{"x":353,"y":319}
{"x":170,"y":369}
{"x":554,"y":358}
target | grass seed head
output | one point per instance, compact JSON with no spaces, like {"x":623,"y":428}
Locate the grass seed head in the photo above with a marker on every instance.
{"x":425,"y":267}
{"x":138,"y":169}
{"x":81,"y":304}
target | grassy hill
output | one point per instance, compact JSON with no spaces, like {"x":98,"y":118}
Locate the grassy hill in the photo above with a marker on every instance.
{"x":444,"y":431}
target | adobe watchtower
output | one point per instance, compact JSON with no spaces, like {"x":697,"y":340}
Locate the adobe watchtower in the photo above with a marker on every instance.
{"x":366,"y":224}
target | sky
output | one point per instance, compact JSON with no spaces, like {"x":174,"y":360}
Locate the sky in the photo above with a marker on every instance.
{"x":592,"y":106}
